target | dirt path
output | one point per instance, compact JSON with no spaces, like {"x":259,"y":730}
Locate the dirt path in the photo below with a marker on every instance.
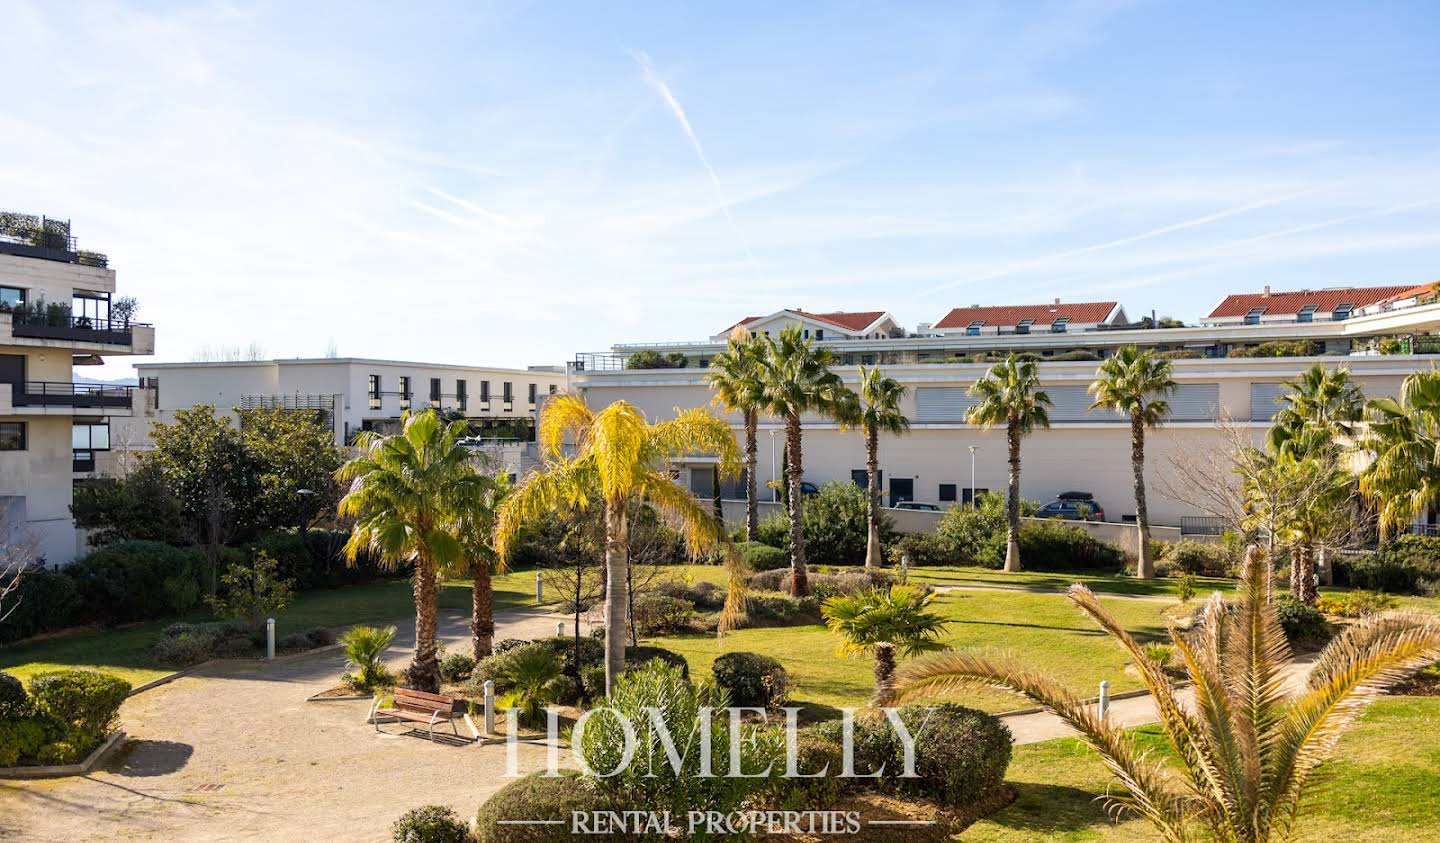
{"x":236,"y":753}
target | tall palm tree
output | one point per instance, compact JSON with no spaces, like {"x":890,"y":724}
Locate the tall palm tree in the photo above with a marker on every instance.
{"x":620,"y":458}
{"x":479,"y":561}
{"x":736,"y":376}
{"x":894,"y":621}
{"x":1247,"y":747}
{"x":1010,"y":394}
{"x":408,"y":494}
{"x":1401,"y":442}
{"x":1319,"y":409}
{"x":1135,"y":383}
{"x":797,"y":380}
{"x":878,"y":411}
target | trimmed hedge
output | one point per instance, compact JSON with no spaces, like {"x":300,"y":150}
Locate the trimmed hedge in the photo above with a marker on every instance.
{"x":538,"y":797}
{"x":751,"y":679}
{"x":1200,"y":558}
{"x":763,"y":557}
{"x":1407,"y":565}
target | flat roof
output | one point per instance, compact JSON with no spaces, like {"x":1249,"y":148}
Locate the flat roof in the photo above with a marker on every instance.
{"x":341,"y":361}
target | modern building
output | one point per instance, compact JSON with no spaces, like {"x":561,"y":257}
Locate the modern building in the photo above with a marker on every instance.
{"x":353,"y":394}
{"x":1221,"y":391}
{"x":57,"y":311}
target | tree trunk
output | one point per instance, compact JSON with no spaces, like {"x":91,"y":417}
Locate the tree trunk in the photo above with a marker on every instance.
{"x":884,"y":672}
{"x":1302,"y":574}
{"x":1012,"y":501}
{"x":617,"y":551}
{"x":715,"y":496}
{"x":1325,"y":565}
{"x":872,"y":513}
{"x":424,"y":674}
{"x":752,"y":499}
{"x":795,"y":471}
{"x":1144,"y":565}
{"x":482,"y":616}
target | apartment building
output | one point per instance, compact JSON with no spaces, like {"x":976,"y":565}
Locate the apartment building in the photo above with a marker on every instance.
{"x":351,"y":394}
{"x":945,"y":460}
{"x":57,"y":311}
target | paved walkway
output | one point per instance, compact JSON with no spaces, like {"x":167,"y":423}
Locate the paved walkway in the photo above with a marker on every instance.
{"x":236,"y":753}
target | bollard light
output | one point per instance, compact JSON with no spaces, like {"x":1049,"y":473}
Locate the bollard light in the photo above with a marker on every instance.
{"x":904,"y":568}
{"x":489,"y":706}
{"x":559,"y":628}
{"x":1104,"y":697}
{"x":539,"y":589}
{"x":269,"y":638}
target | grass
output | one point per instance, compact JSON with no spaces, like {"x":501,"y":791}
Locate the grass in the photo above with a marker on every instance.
{"x":1381,"y":786}
{"x":950,"y":575}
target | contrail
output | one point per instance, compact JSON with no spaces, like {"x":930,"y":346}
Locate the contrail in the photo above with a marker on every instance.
{"x":654,"y":81}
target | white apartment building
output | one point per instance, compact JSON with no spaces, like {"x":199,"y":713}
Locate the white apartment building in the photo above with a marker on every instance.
{"x":1083,"y":450}
{"x":55,"y":314}
{"x":351,"y":394}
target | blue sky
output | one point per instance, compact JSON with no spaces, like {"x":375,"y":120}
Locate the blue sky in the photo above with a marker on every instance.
{"x":511,"y":183}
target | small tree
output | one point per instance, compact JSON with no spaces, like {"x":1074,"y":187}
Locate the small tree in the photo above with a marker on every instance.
{"x":884,"y":623}
{"x":252,"y":592}
{"x":877,"y":412}
{"x":1010,"y":394}
{"x":17,"y":554}
{"x":573,"y":567}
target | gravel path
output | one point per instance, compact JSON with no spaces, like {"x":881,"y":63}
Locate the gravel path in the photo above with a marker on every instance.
{"x":236,"y":753}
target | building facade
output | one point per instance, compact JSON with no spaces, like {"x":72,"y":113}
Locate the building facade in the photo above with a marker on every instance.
{"x":57,"y":310}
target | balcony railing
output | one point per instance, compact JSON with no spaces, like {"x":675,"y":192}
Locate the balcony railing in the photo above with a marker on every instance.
{"x":30,"y":236}
{"x":1202,"y":525}
{"x":62,"y":394}
{"x":79,"y":328}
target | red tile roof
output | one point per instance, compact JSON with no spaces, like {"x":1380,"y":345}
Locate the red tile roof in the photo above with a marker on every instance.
{"x":857,"y":321}
{"x":1291,"y":302}
{"x":1042,"y":314}
{"x":1417,"y":291}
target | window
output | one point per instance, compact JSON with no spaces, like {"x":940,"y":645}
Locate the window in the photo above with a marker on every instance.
{"x":867,"y":360}
{"x":819,"y":333}
{"x":947,"y":493}
{"x":807,"y":333}
{"x":860,"y":477}
{"x":969,"y":496}
{"x":1060,"y":325}
{"x":973,"y":329}
{"x":553,"y":389}
{"x":532,"y":393}
{"x":1253,"y":317}
{"x":1024,"y":326}
{"x":404,"y":392}
{"x":509,"y":392}
{"x":1307,"y":313}
{"x":485,"y":392}
{"x":11,"y":298}
{"x":435,"y":393}
{"x":374,"y":392}
{"x":460,"y":396}
{"x":12,"y":436}
{"x":86,"y":435}
{"x":1343,"y":312}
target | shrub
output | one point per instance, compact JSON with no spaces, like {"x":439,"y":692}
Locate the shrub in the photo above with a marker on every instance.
{"x":1278,"y":348}
{"x":836,"y":528}
{"x":808,"y":792}
{"x":763,"y":556}
{"x":308,"y":640}
{"x":135,"y":581}
{"x":657,"y":614}
{"x":182,"y":650}
{"x":86,"y":701}
{"x":252,"y":591}
{"x":430,"y":824}
{"x":751,"y":679}
{"x":1201,"y":558}
{"x":530,"y":675}
{"x":1355,"y":604}
{"x":779,"y":610}
{"x":45,"y":601}
{"x":774,"y":531}
{"x":24,"y":733}
{"x":1161,"y":654}
{"x":1185,"y":588}
{"x":924,"y":549}
{"x":637,"y":657}
{"x":457,"y":667}
{"x":507,"y":644}
{"x":1303,"y":623}
{"x":12,"y":694}
{"x":975,"y":535}
{"x":1403,"y":566}
{"x":365,"y":648}
{"x":704,"y":594}
{"x":1050,"y":545}
{"x":538,"y":797}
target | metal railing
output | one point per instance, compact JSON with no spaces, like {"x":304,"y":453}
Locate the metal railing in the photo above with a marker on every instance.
{"x":64,"y":394}
{"x":78,"y":328}
{"x":31,"y":236}
{"x":1202,"y":525}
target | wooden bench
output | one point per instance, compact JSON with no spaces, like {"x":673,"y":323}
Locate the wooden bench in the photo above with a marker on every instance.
{"x":417,"y":707}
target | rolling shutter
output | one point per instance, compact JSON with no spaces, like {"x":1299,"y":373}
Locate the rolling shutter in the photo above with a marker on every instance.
{"x":1072,"y":404}
{"x":1262,"y":400}
{"x":942,"y":404}
{"x":1195,"y":402}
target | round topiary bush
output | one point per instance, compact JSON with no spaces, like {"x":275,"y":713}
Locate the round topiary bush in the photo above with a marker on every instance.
{"x":763,"y":557}
{"x":960,"y":754}
{"x":806,"y":791}
{"x":85,"y":699}
{"x":12,"y":694}
{"x":751,"y":678}
{"x":537,"y":797}
{"x":457,"y":667}
{"x":430,"y":824}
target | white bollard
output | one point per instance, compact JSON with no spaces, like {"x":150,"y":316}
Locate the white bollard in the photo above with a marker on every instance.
{"x":559,"y":628}
{"x":904,"y":568}
{"x":269,"y":638}
{"x":539,"y":589}
{"x":489,"y":706}
{"x":1104,"y":697}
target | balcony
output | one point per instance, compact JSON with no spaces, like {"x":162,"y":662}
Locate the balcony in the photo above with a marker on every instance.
{"x":88,"y":396}
{"x":77,"y":328}
{"x":30,"y":236}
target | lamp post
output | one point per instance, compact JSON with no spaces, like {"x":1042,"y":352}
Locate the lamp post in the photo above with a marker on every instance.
{"x":973,"y":449}
{"x":774,"y":477}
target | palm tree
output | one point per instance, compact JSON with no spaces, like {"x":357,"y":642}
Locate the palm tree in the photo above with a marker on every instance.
{"x":735,"y":375}
{"x":878,"y":412}
{"x":1135,"y":382}
{"x":1401,"y":441}
{"x":479,"y":562}
{"x":620,"y":458}
{"x":1319,"y":409}
{"x":1298,"y":500}
{"x":884,"y":623}
{"x":796,"y":380}
{"x":408,"y":493}
{"x":1247,"y":748}
{"x":1010,"y":394}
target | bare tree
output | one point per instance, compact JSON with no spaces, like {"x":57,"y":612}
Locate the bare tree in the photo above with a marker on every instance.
{"x":653,"y":543}
{"x":18,"y":552}
{"x":1205,"y":479}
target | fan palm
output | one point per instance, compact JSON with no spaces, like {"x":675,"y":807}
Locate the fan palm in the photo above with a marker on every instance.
{"x":1319,"y":409}
{"x":1248,"y":749}
{"x":1402,"y":440}
{"x":878,"y":411}
{"x":886,"y":622}
{"x":1135,"y":383}
{"x":735,"y":375}
{"x":364,"y":648}
{"x":797,"y":380}
{"x":1010,"y":394}
{"x":620,"y":458}
{"x":408,"y":493}
{"x":530,"y":674}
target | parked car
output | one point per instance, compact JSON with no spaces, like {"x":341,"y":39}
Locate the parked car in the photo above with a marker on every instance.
{"x":808,"y":488}
{"x":1073,"y":506}
{"x":920,"y":506}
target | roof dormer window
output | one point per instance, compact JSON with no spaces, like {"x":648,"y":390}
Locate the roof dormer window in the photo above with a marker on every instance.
{"x":1307,"y":313}
{"x":1059,"y":325}
{"x":973,"y":329}
{"x":1342,"y":312}
{"x":1024,"y":326}
{"x":1253,"y":317}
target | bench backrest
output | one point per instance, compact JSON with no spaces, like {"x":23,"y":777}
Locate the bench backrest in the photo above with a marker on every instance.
{"x":422,"y":701}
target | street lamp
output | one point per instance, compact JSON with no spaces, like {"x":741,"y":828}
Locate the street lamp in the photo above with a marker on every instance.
{"x":774,"y":477}
{"x":973,"y":449}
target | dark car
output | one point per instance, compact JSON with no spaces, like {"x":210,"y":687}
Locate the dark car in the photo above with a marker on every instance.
{"x":918,"y":506}
{"x":1073,"y":506}
{"x":808,"y":488}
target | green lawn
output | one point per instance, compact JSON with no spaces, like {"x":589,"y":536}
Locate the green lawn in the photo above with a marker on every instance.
{"x":1047,"y":581}
{"x":125,"y":651}
{"x":1382,"y":786}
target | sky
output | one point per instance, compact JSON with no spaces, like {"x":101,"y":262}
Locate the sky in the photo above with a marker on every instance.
{"x":512,"y":183}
